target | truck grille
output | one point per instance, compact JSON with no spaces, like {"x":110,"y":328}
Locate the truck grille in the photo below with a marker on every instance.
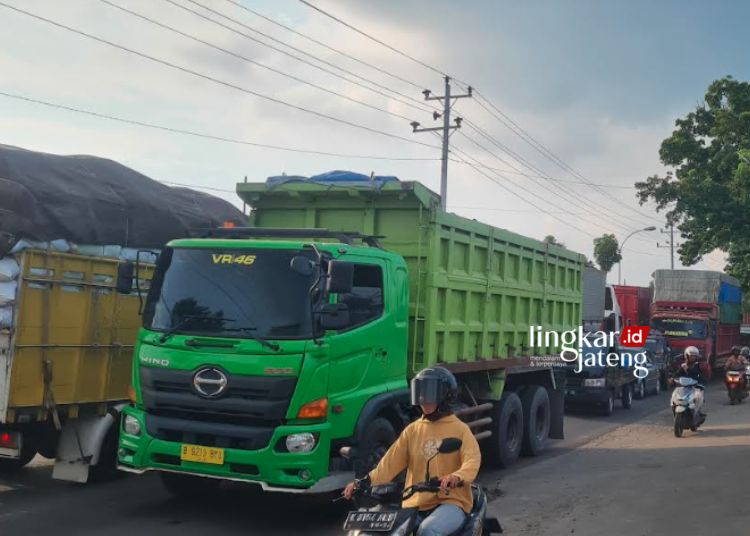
{"x":243,"y":417}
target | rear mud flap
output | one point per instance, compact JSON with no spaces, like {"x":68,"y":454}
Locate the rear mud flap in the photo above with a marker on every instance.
{"x":557,"y":413}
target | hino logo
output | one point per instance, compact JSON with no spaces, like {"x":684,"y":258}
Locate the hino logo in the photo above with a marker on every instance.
{"x":210,"y":382}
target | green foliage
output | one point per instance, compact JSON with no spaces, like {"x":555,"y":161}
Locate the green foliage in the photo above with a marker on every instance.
{"x":606,"y":252}
{"x":707,"y":190}
{"x":550,"y":239}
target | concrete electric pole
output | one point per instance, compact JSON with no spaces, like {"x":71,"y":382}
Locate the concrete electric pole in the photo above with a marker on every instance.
{"x":670,"y":245}
{"x":446,"y":128}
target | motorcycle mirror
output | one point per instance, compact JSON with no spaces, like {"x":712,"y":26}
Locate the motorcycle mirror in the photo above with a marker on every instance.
{"x":450,"y":444}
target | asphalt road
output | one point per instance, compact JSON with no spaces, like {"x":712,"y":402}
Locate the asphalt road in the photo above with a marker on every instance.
{"x":32,"y":503}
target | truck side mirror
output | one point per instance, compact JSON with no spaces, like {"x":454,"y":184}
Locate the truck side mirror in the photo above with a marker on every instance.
{"x":125,"y":276}
{"x":340,"y":277}
{"x":302,"y":265}
{"x":333,"y":316}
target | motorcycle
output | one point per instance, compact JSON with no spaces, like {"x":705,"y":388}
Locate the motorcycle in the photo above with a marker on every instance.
{"x":388,"y":517}
{"x":686,"y":414}
{"x":736,"y":384}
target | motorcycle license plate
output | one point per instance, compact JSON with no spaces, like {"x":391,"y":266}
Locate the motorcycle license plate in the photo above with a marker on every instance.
{"x":197,"y":453}
{"x":379,"y":521}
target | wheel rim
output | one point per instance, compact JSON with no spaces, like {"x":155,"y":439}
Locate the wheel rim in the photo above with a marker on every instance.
{"x":541,"y":418}
{"x":611,"y":403}
{"x":512,"y":432}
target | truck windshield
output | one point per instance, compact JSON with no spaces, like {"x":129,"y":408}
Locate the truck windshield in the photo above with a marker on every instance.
{"x":680,"y":327}
{"x":230,"y":293}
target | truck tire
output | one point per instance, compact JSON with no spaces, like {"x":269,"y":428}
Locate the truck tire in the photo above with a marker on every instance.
{"x":504,"y":445}
{"x":640,"y":390}
{"x":106,"y":467}
{"x":536,"y":420}
{"x":609,"y":405}
{"x":627,"y":396}
{"x":28,"y":451}
{"x":378,"y":436}
{"x":189,"y":487}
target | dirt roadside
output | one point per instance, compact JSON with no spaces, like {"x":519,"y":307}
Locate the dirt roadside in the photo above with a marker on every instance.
{"x":640,"y":480}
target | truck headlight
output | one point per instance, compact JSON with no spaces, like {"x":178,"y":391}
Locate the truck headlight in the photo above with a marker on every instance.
{"x":131,"y":425}
{"x":594,"y":382}
{"x":304,"y":442}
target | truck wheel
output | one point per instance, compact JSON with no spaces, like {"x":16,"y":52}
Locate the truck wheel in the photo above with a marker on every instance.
{"x":106,"y":467}
{"x":627,"y":396}
{"x":640,"y":390}
{"x":28,"y":451}
{"x":188,"y":487}
{"x":378,"y":436}
{"x":536,"y":420}
{"x":504,"y":445}
{"x":609,"y":405}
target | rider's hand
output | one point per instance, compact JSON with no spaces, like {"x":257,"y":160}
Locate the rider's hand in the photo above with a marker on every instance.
{"x":449,"y":482}
{"x":684,"y":366}
{"x":349,"y":490}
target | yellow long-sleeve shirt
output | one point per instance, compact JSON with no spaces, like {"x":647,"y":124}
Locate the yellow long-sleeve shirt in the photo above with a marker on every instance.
{"x":416,"y":444}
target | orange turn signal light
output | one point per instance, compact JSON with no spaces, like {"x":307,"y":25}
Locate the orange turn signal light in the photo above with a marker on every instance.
{"x":131,"y":394}
{"x":317,"y":409}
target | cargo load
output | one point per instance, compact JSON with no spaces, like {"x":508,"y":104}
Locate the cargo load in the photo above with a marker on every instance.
{"x":701,"y":286}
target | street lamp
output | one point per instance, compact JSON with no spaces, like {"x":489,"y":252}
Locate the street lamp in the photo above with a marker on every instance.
{"x":619,"y":250}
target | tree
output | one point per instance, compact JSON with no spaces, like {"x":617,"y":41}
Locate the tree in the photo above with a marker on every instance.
{"x":606,"y":252}
{"x":550,"y":239}
{"x":706,"y":191}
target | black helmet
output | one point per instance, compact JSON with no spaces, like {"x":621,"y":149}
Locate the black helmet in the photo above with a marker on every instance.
{"x":735,"y":350}
{"x":434,"y":386}
{"x":745,"y":351}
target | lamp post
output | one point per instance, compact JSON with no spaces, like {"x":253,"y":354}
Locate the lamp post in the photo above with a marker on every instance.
{"x":619,"y":250}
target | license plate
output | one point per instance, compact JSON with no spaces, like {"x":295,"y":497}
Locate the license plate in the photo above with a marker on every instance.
{"x":197,"y":453}
{"x":370,"y":521}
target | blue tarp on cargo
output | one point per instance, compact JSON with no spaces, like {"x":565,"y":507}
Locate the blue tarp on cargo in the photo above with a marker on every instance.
{"x":729,"y":293}
{"x":338,"y":178}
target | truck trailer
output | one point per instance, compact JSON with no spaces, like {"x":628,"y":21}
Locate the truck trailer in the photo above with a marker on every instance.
{"x":266,"y":350}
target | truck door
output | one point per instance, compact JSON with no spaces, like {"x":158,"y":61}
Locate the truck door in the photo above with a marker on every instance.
{"x":363,"y":352}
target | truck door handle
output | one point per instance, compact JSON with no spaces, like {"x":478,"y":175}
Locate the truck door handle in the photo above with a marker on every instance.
{"x":381,"y":354}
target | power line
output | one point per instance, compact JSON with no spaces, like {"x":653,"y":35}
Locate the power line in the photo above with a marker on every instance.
{"x":563,"y":193}
{"x":418,"y":105}
{"x":538,"y":146}
{"x":526,"y":200}
{"x":375,"y":39}
{"x":621,"y":220}
{"x":204,"y":135}
{"x":252,"y":61}
{"x":218,"y":81}
{"x":326,"y":46}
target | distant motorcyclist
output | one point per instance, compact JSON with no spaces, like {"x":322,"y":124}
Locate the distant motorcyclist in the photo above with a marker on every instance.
{"x":691,"y":368}
{"x":737,"y":361}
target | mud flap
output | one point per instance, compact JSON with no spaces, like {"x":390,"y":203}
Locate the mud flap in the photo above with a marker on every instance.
{"x":80,"y":445}
{"x":557,"y":413}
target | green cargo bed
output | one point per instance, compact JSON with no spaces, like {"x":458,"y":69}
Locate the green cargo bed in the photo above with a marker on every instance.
{"x":474,"y":289}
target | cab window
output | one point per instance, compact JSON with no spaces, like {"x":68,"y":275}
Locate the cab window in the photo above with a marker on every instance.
{"x":365,"y":301}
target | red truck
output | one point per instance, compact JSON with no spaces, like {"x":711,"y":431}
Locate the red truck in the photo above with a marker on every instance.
{"x":635,"y":304}
{"x":698,"y":308}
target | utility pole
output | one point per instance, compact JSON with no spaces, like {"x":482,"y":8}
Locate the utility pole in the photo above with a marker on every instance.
{"x":446,"y":128}
{"x":671,"y":244}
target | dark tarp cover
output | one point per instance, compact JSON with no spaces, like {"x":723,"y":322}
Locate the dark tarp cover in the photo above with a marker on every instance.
{"x":90,"y":200}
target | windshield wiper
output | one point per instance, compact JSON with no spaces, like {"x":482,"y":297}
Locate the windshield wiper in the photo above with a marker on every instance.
{"x":185,"y":319}
{"x":249,"y":332}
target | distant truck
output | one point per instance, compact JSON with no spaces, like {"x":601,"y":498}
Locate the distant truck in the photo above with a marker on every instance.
{"x":698,"y":308}
{"x":594,"y":295}
{"x":267,"y":350}
{"x":635,"y":304}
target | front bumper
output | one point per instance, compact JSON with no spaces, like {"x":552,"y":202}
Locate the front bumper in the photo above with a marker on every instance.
{"x":267,"y":467}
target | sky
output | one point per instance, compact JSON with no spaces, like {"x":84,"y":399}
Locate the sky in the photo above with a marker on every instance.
{"x":594,"y":85}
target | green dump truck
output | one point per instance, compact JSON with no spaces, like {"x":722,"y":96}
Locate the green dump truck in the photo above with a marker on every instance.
{"x":266,"y":350}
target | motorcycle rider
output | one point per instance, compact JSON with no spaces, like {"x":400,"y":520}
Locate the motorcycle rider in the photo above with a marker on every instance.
{"x":736,"y":361}
{"x":441,"y":513}
{"x":691,"y":368}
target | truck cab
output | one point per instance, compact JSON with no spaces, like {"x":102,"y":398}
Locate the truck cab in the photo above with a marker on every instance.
{"x":234,"y":376}
{"x":687,"y":328}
